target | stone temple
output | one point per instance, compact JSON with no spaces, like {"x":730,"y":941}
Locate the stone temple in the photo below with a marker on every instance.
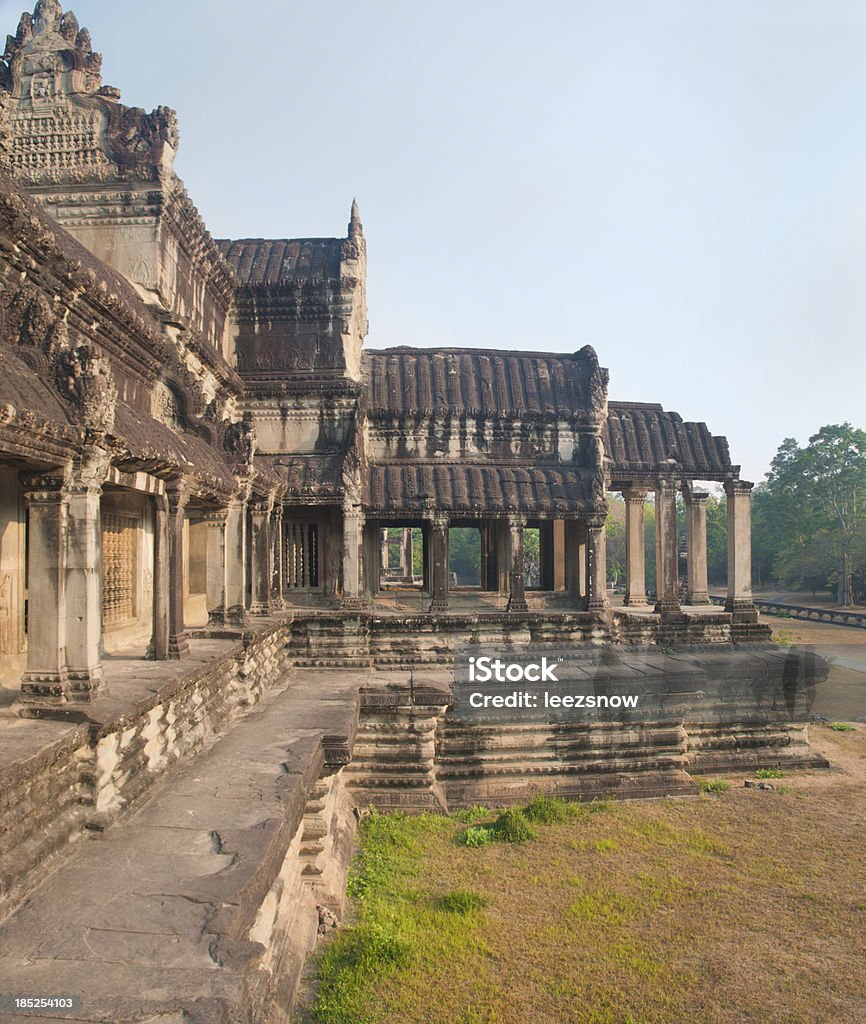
{"x":224,"y":569}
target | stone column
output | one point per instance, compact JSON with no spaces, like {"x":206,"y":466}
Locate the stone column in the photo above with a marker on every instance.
{"x":667,"y":555}
{"x":501,"y":541}
{"x":45,"y":679}
{"x":406,"y":560}
{"x":560,"y":572}
{"x":516,"y":590}
{"x":279,"y":558}
{"x":177,"y":497}
{"x":596,"y":564}
{"x":216,"y":567}
{"x":696,"y":542}
{"x":84,"y":574}
{"x":439,"y":564}
{"x":575,"y":562}
{"x":158,"y":649}
{"x":384,"y":552}
{"x":635,"y":547}
{"x":739,"y":600}
{"x":235,"y":556}
{"x":353,"y":534}
{"x":262,"y":556}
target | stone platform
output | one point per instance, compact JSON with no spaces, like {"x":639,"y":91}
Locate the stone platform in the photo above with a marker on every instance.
{"x":168,"y":851}
{"x":203,"y":905}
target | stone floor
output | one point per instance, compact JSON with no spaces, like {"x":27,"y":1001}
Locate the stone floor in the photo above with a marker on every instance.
{"x":143,"y":922}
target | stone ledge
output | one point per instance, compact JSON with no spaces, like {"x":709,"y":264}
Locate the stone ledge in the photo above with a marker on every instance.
{"x":169,"y":915}
{"x":72,"y":769}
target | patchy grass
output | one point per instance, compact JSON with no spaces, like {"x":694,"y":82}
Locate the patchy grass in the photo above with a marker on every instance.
{"x":769,"y":773}
{"x":664,"y":912}
{"x":842,"y":727}
{"x":712,"y":785}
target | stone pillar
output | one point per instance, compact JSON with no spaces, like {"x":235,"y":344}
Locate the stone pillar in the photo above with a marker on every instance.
{"x":45,"y":679}
{"x":84,"y":574}
{"x":575,"y":562}
{"x":235,"y":557}
{"x":384,"y":554}
{"x":439,"y":564}
{"x":262,"y":556}
{"x":406,"y":561}
{"x":516,"y":590}
{"x":372,"y":566}
{"x":547,"y":570}
{"x":353,"y":533}
{"x":667,"y":555}
{"x":158,"y":648}
{"x":487,"y":558}
{"x":696,"y":543}
{"x":635,"y":548}
{"x":739,"y":600}
{"x":596,"y":564}
{"x":560,"y":572}
{"x":216,"y":567}
{"x":177,"y":498}
{"x":279,"y":558}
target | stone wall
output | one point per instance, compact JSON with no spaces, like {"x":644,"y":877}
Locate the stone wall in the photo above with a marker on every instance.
{"x":87,"y":779}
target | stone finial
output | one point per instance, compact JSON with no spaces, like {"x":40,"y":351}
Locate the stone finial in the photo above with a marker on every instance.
{"x":356,"y":229}
{"x":47,"y":16}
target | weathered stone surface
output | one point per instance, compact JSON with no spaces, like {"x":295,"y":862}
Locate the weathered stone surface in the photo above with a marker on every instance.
{"x":176,"y":894}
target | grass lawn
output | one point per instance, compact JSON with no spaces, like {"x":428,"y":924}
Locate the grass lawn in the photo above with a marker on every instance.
{"x":742,"y":905}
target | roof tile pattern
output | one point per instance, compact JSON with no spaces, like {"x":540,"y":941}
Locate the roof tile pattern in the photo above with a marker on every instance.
{"x":475,"y":488}
{"x":271,"y":262}
{"x":475,"y":382}
{"x":640,"y":437}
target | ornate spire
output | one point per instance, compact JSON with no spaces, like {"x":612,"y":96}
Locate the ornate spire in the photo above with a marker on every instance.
{"x":356,"y":230}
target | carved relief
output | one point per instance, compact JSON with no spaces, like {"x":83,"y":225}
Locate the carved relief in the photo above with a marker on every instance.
{"x":240,"y":439}
{"x":84,"y":377}
{"x":165,"y":407}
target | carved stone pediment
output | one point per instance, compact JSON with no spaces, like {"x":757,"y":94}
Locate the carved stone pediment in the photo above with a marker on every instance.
{"x":58,"y":122}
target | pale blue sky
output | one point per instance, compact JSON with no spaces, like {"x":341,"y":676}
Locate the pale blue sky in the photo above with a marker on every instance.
{"x":680,"y":184}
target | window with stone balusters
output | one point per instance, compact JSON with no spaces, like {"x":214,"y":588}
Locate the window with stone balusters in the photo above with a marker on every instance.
{"x":119,"y":569}
{"x":302,"y":555}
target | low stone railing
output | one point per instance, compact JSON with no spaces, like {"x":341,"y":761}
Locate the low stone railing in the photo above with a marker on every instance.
{"x":93,"y":771}
{"x":837,"y":616}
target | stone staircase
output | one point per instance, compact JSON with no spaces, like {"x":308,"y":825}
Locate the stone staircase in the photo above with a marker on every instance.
{"x":330,"y":641}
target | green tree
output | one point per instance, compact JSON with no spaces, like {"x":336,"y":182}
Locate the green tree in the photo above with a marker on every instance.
{"x":810,"y":516}
{"x":464,"y":555}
